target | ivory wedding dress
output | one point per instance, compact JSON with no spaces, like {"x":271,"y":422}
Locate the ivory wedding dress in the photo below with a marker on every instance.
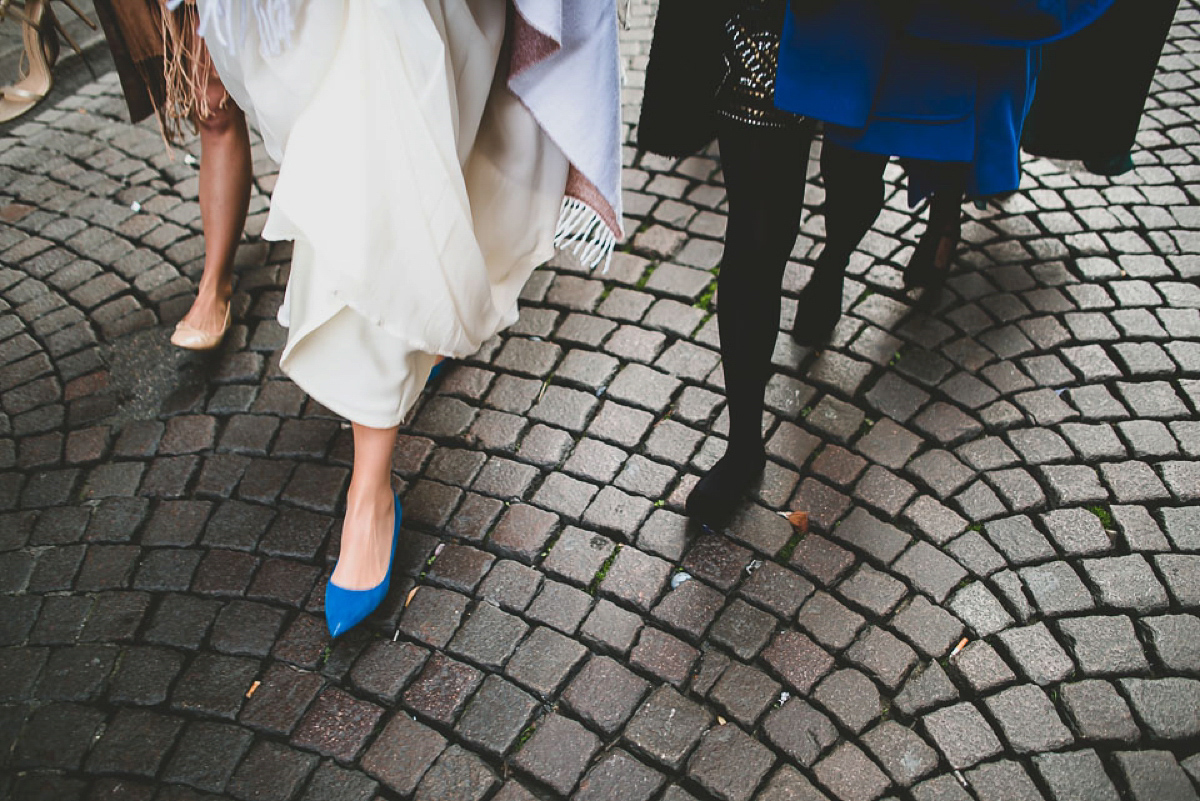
{"x":420,"y":191}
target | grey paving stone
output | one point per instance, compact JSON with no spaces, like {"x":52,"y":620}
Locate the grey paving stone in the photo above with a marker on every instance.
{"x":636,"y":578}
{"x":1019,"y":541}
{"x":873,"y":590}
{"x":1075,"y":776}
{"x":604,"y":694}
{"x":667,"y":727}
{"x":930,"y":570}
{"x":610,"y":628}
{"x":458,"y":773}
{"x":800,"y":731}
{"x":745,"y":693}
{"x":1010,"y":589}
{"x":1168,"y":708}
{"x":557,"y":753}
{"x":1096,"y":402}
{"x":1039,"y":446}
{"x":962,"y":735}
{"x":777,"y":589}
{"x":977,"y":607}
{"x":1182,"y":526}
{"x":1076,"y":532}
{"x":1152,"y":399}
{"x":1148,"y":438}
{"x":1073,"y":484}
{"x":1104,"y":645}
{"x":850,"y":697}
{"x":941,"y":471}
{"x":1003,"y":781}
{"x":851,"y":775}
{"x":937,"y":521}
{"x":982,"y":668}
{"x":560,"y":606}
{"x":1018,"y":489}
{"x":578,"y":555}
{"x":930,"y":628}
{"x":544,"y":660}
{"x":1138,"y":529}
{"x":874,"y":537}
{"x":788,"y":783}
{"x":1134,"y":482}
{"x":1028,"y":720}
{"x":1056,"y":589}
{"x":883,"y":655}
{"x":1094,"y":441}
{"x":943,"y":788}
{"x":973,"y":552}
{"x":1154,"y":774}
{"x":947,"y":424}
{"x":1098,"y":712}
{"x":904,"y":756}
{"x":889,"y":444}
{"x":488,"y":637}
{"x":1125,"y":583}
{"x":797,"y":660}
{"x":828,"y":621}
{"x":1175,"y":640}
{"x":1192,"y":766}
{"x":510,"y":584}
{"x":730,"y":764}
{"x":1037,"y":654}
{"x":617,"y":775}
{"x":1181,"y":572}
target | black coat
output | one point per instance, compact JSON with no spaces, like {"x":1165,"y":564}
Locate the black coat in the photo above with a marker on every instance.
{"x":686,"y":66}
{"x":1092,"y":86}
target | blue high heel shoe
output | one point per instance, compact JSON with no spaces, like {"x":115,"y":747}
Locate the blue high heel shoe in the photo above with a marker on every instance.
{"x":345,"y":609}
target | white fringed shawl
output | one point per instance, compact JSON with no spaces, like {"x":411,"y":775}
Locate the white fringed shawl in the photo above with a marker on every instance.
{"x":564,"y":67}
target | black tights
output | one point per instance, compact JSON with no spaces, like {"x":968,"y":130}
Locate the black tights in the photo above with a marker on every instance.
{"x":764,"y":181}
{"x":764,"y":172}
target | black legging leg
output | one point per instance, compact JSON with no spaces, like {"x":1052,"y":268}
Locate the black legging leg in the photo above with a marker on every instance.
{"x":931,"y":259}
{"x":853,"y":199}
{"x":764,"y":181}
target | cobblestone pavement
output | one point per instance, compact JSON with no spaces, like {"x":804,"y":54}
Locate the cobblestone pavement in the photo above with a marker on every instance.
{"x":1020,"y":467}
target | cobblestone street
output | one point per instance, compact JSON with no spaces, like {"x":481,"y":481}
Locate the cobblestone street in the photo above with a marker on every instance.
{"x":1018,"y":467}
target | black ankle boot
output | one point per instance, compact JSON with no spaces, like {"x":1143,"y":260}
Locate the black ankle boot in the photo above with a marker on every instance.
{"x":718,"y":494}
{"x":819,"y":306}
{"x":933,"y":256}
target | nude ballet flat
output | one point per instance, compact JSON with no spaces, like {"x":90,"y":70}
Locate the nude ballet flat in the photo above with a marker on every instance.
{"x":190,"y":338}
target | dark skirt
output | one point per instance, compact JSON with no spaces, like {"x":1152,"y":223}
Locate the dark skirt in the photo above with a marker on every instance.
{"x":1093,"y":85}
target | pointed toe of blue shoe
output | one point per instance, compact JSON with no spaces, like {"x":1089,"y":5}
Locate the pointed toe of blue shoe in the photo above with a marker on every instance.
{"x":345,"y":609}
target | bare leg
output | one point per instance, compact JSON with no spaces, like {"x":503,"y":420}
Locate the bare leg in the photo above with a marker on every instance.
{"x":370,"y":511}
{"x":225,"y":175}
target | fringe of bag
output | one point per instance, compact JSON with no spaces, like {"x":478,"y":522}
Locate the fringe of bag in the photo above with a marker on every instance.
{"x":582,"y":231}
{"x":186,"y":65}
{"x":275,"y":19}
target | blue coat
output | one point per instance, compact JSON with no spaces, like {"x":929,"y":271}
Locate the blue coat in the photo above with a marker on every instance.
{"x":931,"y":80}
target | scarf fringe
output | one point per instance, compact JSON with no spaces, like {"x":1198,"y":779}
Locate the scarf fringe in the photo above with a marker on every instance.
{"x":582,"y":231}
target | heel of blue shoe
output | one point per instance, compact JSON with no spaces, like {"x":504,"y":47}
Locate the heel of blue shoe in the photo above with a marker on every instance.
{"x":437,"y":370}
{"x":345,"y":609}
